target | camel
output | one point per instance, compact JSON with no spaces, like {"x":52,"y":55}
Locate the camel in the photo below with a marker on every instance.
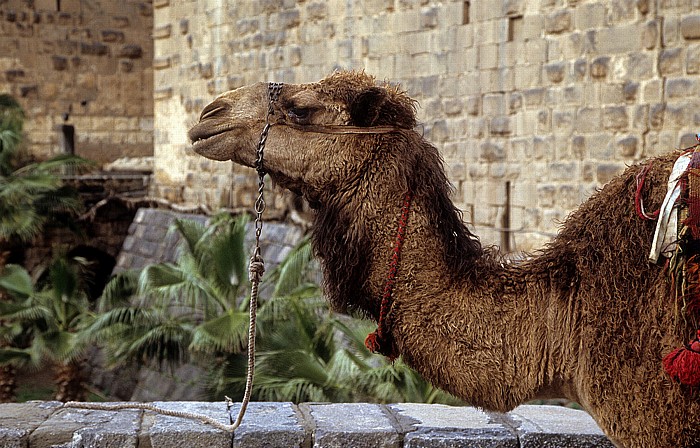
{"x":588,"y":317}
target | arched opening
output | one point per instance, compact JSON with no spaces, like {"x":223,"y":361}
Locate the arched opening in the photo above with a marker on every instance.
{"x":99,"y":270}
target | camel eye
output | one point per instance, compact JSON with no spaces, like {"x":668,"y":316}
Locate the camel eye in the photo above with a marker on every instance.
{"x":300,"y":115}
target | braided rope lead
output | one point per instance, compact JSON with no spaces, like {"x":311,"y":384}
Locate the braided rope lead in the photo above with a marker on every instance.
{"x":256,"y":271}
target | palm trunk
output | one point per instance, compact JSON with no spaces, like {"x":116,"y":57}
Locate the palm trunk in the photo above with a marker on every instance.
{"x":8,"y":384}
{"x":8,"y":373}
{"x":69,"y":382}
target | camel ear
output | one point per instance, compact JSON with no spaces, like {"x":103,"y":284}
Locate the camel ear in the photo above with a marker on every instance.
{"x":367,"y":106}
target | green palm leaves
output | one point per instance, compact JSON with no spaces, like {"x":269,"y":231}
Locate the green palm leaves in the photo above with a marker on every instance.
{"x":47,"y":321}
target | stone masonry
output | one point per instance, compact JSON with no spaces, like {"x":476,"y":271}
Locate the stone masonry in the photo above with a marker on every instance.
{"x":85,"y":64}
{"x":533,"y":103}
{"x":321,"y":425}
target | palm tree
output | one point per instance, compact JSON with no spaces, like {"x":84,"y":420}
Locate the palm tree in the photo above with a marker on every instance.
{"x":54,"y":318}
{"x":31,"y":195}
{"x":171,"y":312}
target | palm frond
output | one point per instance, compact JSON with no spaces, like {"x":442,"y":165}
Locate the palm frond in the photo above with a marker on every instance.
{"x":227,"y":255}
{"x":191,"y":232}
{"x":118,"y":291}
{"x":56,"y":166}
{"x":13,"y":356}
{"x":291,"y":274}
{"x":15,"y":280}
{"x":226,"y":333}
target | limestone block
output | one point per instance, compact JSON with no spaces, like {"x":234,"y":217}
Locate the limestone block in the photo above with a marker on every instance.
{"x":599,"y":67}
{"x":59,"y":63}
{"x":590,"y":15}
{"x":558,"y":22}
{"x":637,"y":66}
{"x":555,"y":71}
{"x":693,"y":59}
{"x":543,"y":147}
{"x":681,"y":88}
{"x":627,"y":146}
{"x":429,"y":17}
{"x":533,"y":24}
{"x":670,"y":61}
{"x":677,"y":115}
{"x":588,"y":119}
{"x":488,"y":56}
{"x":501,"y":126}
{"x":492,"y":152}
{"x":528,"y":76}
{"x":605,"y":172}
{"x":112,"y":36}
{"x":93,"y":49}
{"x":615,"y":117}
{"x":617,"y":39}
{"x":650,"y":34}
{"x":611,"y":94}
{"x":546,"y":195}
{"x":494,"y":104}
{"x":690,"y":27}
{"x":162,"y":32}
{"x":563,"y":122}
{"x":670,"y":31}
{"x":572,"y":94}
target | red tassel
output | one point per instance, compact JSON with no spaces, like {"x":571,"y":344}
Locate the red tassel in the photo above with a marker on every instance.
{"x":683,"y":364}
{"x":372,"y":343}
{"x":377,"y":344}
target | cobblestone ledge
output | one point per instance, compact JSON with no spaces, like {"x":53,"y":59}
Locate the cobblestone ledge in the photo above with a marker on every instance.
{"x":42,"y":424}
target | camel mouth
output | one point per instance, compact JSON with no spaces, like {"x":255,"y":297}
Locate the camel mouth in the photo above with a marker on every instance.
{"x":208,"y":141}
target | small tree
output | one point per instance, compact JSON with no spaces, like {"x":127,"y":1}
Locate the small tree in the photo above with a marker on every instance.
{"x":170,"y":312}
{"x":54,"y":318}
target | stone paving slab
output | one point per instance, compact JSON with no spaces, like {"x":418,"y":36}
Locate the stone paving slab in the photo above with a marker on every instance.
{"x":442,"y":426}
{"x":19,"y":420}
{"x":269,"y":425}
{"x":359,"y":425}
{"x":166,"y":431}
{"x":82,"y":428}
{"x":556,"y":426}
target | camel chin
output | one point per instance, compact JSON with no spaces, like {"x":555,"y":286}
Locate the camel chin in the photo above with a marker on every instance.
{"x":216,"y":148}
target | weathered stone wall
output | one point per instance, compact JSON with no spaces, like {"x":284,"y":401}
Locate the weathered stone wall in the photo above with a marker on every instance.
{"x":90,"y":59}
{"x":533,"y":103}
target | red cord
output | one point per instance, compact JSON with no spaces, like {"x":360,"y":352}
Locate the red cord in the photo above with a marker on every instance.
{"x":376,"y":342}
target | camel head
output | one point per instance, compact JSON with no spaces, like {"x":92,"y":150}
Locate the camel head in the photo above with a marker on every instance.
{"x":321,"y":134}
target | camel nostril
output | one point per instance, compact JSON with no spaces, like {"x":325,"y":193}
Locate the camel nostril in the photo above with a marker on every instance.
{"x":212,"y":109}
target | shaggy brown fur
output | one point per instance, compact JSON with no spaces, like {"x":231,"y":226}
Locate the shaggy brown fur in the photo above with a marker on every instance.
{"x":589,"y":318}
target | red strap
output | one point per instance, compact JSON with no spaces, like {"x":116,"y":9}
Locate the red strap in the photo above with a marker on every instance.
{"x":377,"y":341}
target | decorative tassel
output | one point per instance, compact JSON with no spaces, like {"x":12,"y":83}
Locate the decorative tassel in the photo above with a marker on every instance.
{"x":376,"y":344}
{"x":683,"y":364}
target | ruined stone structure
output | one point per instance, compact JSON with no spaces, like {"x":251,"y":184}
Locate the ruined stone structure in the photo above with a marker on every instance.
{"x":533,"y":103}
{"x":81,"y":69}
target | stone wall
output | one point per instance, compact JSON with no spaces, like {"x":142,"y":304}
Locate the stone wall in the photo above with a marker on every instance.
{"x":533,"y":103}
{"x":285,"y":425}
{"x":85,"y":64}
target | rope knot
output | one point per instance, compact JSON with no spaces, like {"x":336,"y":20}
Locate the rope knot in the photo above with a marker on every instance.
{"x":256,"y":269}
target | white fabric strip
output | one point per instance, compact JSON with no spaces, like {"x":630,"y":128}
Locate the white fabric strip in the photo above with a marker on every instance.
{"x":667,"y":226}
